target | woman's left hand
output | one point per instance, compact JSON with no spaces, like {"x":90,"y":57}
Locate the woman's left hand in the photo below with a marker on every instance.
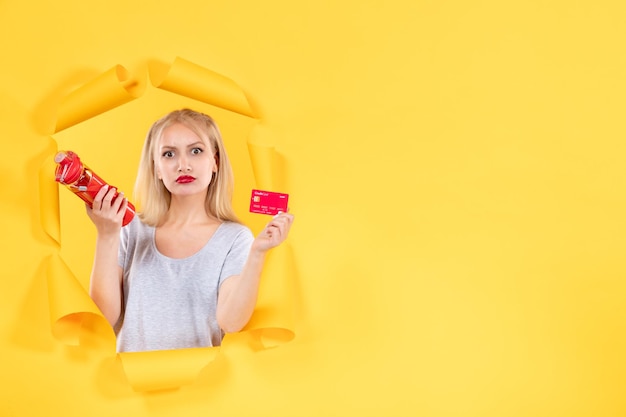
{"x":274,"y":233}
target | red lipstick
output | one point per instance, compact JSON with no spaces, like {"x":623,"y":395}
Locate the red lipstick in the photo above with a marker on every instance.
{"x":185,"y":179}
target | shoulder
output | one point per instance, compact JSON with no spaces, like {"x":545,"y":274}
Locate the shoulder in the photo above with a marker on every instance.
{"x":235,"y":229}
{"x":234,"y":233}
{"x":135,"y":228}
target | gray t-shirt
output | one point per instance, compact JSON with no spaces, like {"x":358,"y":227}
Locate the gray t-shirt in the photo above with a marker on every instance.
{"x":171,"y":303}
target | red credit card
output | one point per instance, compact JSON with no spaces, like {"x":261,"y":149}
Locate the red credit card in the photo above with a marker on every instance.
{"x":268,"y":202}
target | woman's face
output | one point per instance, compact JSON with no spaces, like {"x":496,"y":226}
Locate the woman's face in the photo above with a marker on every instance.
{"x":184,"y":161}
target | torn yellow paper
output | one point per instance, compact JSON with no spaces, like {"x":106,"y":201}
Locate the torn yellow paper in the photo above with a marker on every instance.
{"x":273,"y":318}
{"x":109,"y":90}
{"x":49,"y":200}
{"x":190,"y":80}
{"x":72,"y":312}
{"x":262,"y":157}
{"x":75,"y":318}
{"x":268,"y":165}
{"x":174,"y":369}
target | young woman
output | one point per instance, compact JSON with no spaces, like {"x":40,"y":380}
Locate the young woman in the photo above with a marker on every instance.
{"x":185,"y":270}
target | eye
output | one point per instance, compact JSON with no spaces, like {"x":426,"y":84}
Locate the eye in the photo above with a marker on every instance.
{"x":196,"y":151}
{"x":168,"y":154}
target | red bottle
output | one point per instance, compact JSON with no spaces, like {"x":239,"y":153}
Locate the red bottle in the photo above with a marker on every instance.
{"x":82,"y":181}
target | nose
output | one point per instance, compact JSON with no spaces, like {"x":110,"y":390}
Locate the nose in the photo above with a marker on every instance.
{"x":183,"y":164}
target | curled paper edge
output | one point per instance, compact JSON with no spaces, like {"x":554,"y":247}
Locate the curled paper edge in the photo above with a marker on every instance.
{"x":272,"y":322}
{"x":49,"y":211}
{"x":177,"y":367}
{"x":72,"y":311}
{"x":271,"y":337}
{"x":105,"y":92}
{"x":194,"y":81}
{"x":273,"y":319}
{"x":263,"y":158}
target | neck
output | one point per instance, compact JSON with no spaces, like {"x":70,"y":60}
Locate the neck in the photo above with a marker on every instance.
{"x":187,"y":210}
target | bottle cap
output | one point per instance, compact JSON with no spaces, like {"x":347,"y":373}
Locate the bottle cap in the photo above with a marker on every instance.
{"x":69,"y":167}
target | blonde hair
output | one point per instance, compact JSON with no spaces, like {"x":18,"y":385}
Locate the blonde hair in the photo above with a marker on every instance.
{"x":150,"y":193}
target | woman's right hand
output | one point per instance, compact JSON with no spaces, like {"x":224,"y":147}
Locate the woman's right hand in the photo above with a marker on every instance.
{"x":108,"y":211}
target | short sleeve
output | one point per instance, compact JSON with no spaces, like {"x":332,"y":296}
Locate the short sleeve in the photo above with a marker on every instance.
{"x":124,"y":243}
{"x":237,"y":254}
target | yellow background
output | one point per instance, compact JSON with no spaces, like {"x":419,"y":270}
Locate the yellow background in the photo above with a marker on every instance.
{"x":456,"y":172}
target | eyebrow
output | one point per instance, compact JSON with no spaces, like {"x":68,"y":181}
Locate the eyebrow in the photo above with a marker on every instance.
{"x":192,"y":145}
